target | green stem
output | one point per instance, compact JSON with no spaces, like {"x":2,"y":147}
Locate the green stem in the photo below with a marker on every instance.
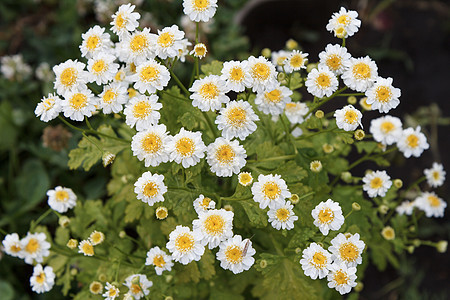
{"x":117,"y":272}
{"x":283,"y":157}
{"x":210,"y":124}
{"x":324,"y":100}
{"x":353,"y":94}
{"x":306,"y":195}
{"x":348,"y":215}
{"x":42,"y":217}
{"x":3,"y":232}
{"x":368,"y":157}
{"x":173,"y":96}
{"x":235,"y":199}
{"x":175,"y":77}
{"x":88,"y":123}
{"x":343,"y":42}
{"x":93,"y":143}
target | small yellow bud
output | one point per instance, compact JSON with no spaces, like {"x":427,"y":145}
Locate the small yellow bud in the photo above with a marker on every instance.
{"x":412,"y":228}
{"x":356,"y":206}
{"x":359,"y":134}
{"x":340,"y":32}
{"x":359,"y":286}
{"x":298,"y":250}
{"x":73,"y":271}
{"x":294,"y":198}
{"x":132,"y":93}
{"x":416,"y":242}
{"x":383,"y":209}
{"x":168,"y":298}
{"x":346,"y":176}
{"x":281,"y":76}
{"x":327,"y":148}
{"x":72,"y":243}
{"x":319,"y":114}
{"x":388,"y":233}
{"x":161,"y":213}
{"x":95,"y":287}
{"x":102,"y":277}
{"x":410,"y":249}
{"x":352,"y":100}
{"x":122,"y":234}
{"x":228,"y":207}
{"x":96,"y":237}
{"x":315,"y":166}
{"x":263,"y":263}
{"x":441,"y":246}
{"x":398,"y":183}
{"x":291,"y":44}
{"x":266,"y":52}
{"x":64,"y":221}
{"x":169,"y":278}
{"x":364,"y":104}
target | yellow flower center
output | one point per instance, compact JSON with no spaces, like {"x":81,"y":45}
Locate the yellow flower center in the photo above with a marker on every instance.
{"x":291,"y":106}
{"x":87,"y":249}
{"x":109,"y":96}
{"x":158,"y":261}
{"x":282,"y":214}
{"x":184,"y":242}
{"x":271,"y":190}
{"x":273,"y":96}
{"x":40,"y":278}
{"x":141,"y":109}
{"x":48,"y":103}
{"x":166,"y":39}
{"x":333,"y":62}
{"x":436,"y":175}
{"x":349,"y":252}
{"x":340,"y":32}
{"x":112,"y":292}
{"x":237,"y":116}
{"x":296,"y":61}
{"x":236,"y":74}
{"x":323,"y":81}
{"x":245,"y":178}
{"x":319,"y":260}
{"x":149,"y":73}
{"x":209,"y":91}
{"x":376,"y":183}
{"x":341,"y":278}
{"x":412,"y":140}
{"x":32,"y":245}
{"x":78,"y":101}
{"x":225,"y":154}
{"x":326,"y":216}
{"x":92,"y":42}
{"x":350,"y":116}
{"x":69,"y":77}
{"x":185,"y":146}
{"x":388,"y":233}
{"x":199,"y":50}
{"x":135,"y":288}
{"x":344,"y":19}
{"x":120,"y":21}
{"x":61,"y":196}
{"x":138,"y":43}
{"x":152,"y":143}
{"x":200,"y":5}
{"x":434,"y":201}
{"x":161,"y":213}
{"x":99,"y":66}
{"x":120,"y":75}
{"x":150,"y":189}
{"x":280,"y":60}
{"x":383,"y":94}
{"x":205,"y":202}
{"x":387,"y":126}
{"x":233,"y":254}
{"x":95,"y":287}
{"x":131,"y":92}
{"x":97,"y":237}
{"x":214,"y":225}
{"x":361,"y":71}
{"x":261,"y":71}
{"x":15,"y":248}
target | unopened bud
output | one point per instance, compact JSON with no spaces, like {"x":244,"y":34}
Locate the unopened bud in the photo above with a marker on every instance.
{"x":311,"y":66}
{"x":416,"y":242}
{"x":319,"y":114}
{"x":398,"y":183}
{"x":346,"y":176}
{"x":294,"y":198}
{"x":281,"y":76}
{"x":266,"y":52}
{"x":356,"y":206}
{"x":169,"y":278}
{"x":263,"y":263}
{"x":327,"y":148}
{"x":383,"y":209}
{"x":73,"y":271}
{"x":64,"y":221}
{"x":298,"y":250}
{"x":359,"y":134}
{"x":388,"y":233}
{"x":441,"y":246}
{"x":72,"y":243}
{"x":291,"y":44}
{"x":410,"y":249}
{"x":161,"y":213}
{"x":359,"y":286}
{"x":315,"y":166}
{"x":351,"y":100}
{"x":122,"y":234}
{"x":228,"y":207}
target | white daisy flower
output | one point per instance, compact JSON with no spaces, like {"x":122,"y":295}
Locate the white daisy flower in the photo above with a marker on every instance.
{"x":61,"y":199}
{"x":237,"y":119}
{"x":236,"y":76}
{"x":412,"y":142}
{"x":158,"y":258}
{"x":102,"y":68}
{"x":360,"y":73}
{"x":139,"y":285}
{"x":245,"y":178}
{"x":95,"y":41}
{"x":12,"y":245}
{"x":35,"y":247}
{"x":202,"y":204}
{"x":185,"y":245}
{"x":328,"y":215}
{"x":214,"y":226}
{"x":125,"y":20}
{"x":113,"y":96}
{"x":436,"y":175}
{"x":225,"y":157}
{"x":236,"y":254}
{"x":406,"y":208}
{"x":199,"y":50}
{"x":150,"y":188}
{"x":315,"y":261}
{"x":142,"y":111}
{"x":346,"y":20}
{"x":199,"y":10}
{"x":295,"y":61}
{"x":86,"y":248}
{"x":49,"y":108}
{"x":187,"y":148}
{"x":69,"y":76}
{"x":341,"y":278}
{"x":42,"y":279}
{"x":334,"y":58}
{"x":112,"y":292}
{"x":150,"y":76}
{"x":168,"y":42}
{"x":270,"y":190}
{"x":262,"y":73}
{"x":377,"y":183}
{"x":96,"y":237}
{"x":79,"y":104}
{"x":386,"y":130}
{"x":281,"y":215}
{"x":122,"y":77}
{"x":431,"y":204}
{"x":347,"y":249}
{"x":137,"y":47}
{"x":348,"y":118}
{"x":295,"y":112}
{"x":185,"y":44}
{"x":279,"y":58}
{"x":382,"y":95}
{"x":321,"y":82}
{"x":209,"y":93}
{"x":151,"y":145}
{"x":273,"y":101}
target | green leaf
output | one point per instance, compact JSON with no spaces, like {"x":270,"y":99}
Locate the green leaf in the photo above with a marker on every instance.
{"x":291,"y":172}
{"x":6,"y":290}
{"x":33,"y":182}
{"x":189,"y":120}
{"x":366,"y":146}
{"x":134,"y":210}
{"x":296,"y":81}
{"x":213,"y":68}
{"x":206,"y":265}
{"x":256,"y":216}
{"x":86,"y":155}
{"x":188,"y":273}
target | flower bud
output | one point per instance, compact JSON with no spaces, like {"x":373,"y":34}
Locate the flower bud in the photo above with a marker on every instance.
{"x":64,"y":221}
{"x":298,"y":250}
{"x":383,"y":209}
{"x":398,"y":183}
{"x":351,"y":100}
{"x":359,"y":134}
{"x":364,"y":104}
{"x":340,"y":32}
{"x":388,"y":233}
{"x":310,"y":66}
{"x":410,"y":249}
{"x":169,"y":278}
{"x":319,"y":114}
{"x":327,"y":148}
{"x":356,"y":206}
{"x":359,"y":286}
{"x":441,"y":246}
{"x":416,"y":242}
{"x":168,"y":298}
{"x":294,"y":198}
{"x":95,"y":287}
{"x":346,"y":176}
{"x":281,"y":76}
{"x":266,"y":52}
{"x":161,"y":213}
{"x":122,"y":234}
{"x":315,"y":166}
{"x":228,"y":207}
{"x":291,"y":44}
{"x":73,"y":271}
{"x":72,"y":243}
{"x":263,"y":263}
